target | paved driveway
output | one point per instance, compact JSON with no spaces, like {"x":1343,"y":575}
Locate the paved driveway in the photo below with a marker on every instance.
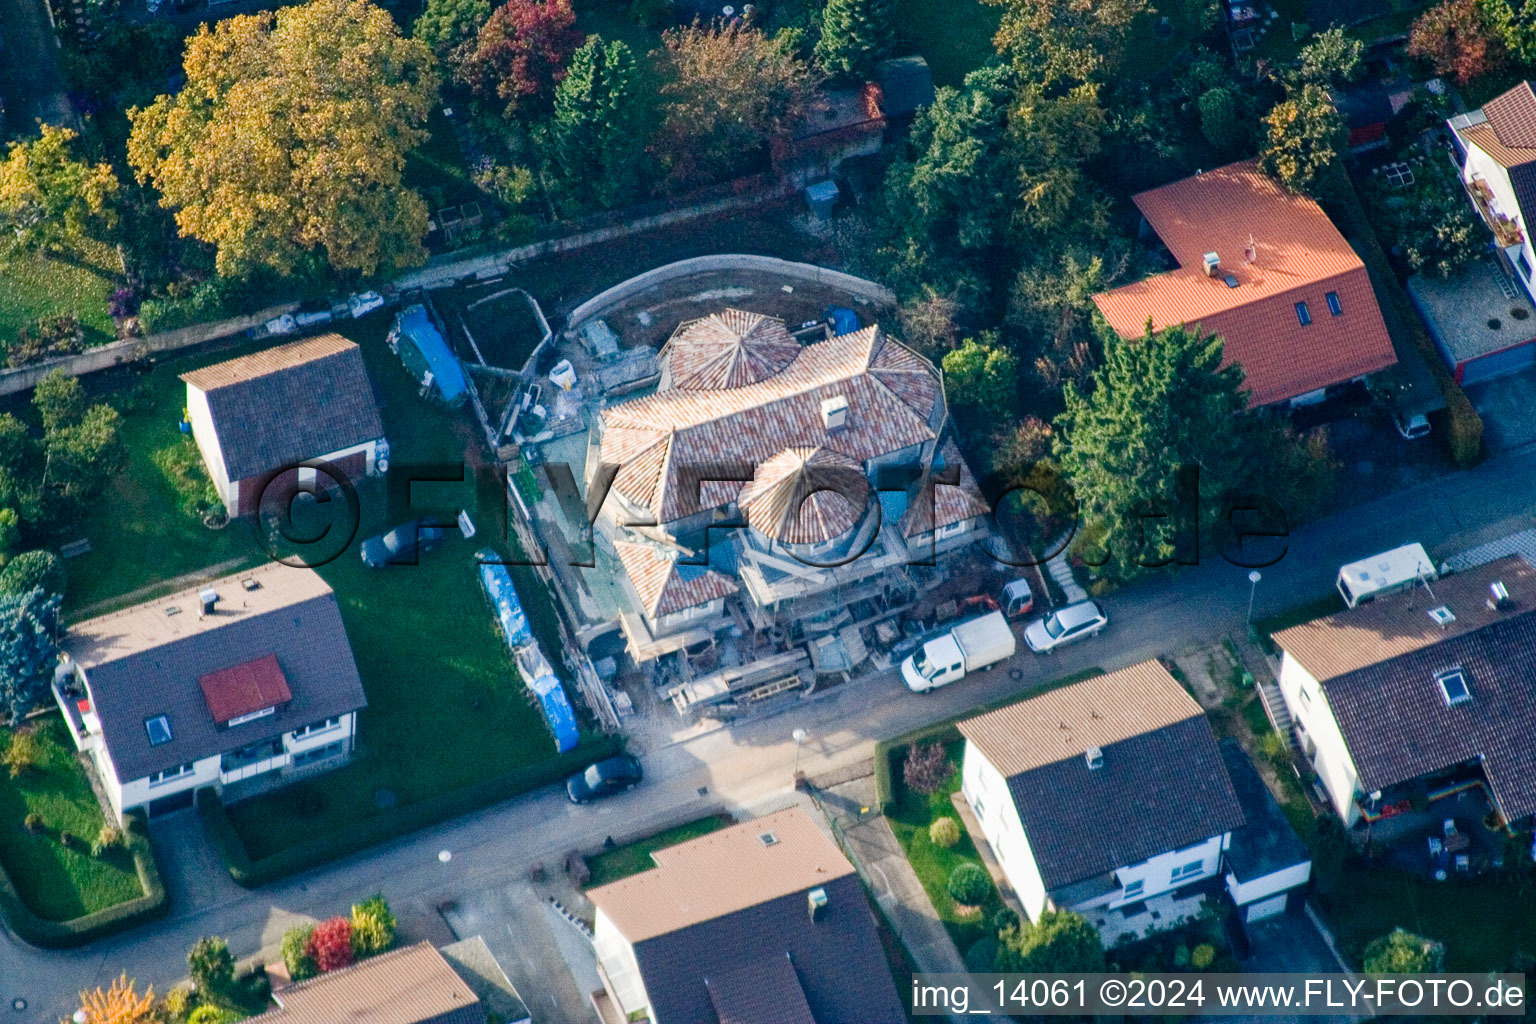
{"x":1505,"y":403}
{"x":31,"y":82}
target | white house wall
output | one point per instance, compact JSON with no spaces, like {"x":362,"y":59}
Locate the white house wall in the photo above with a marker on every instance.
{"x":1156,"y":873}
{"x":1268,"y":885}
{"x":617,"y":957}
{"x":208,"y":443}
{"x":986,"y":790}
{"x":1320,"y":736}
{"x":138,"y":792}
{"x":1480,"y":165}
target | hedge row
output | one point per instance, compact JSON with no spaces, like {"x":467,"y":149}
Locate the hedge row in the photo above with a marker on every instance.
{"x":65,"y":934}
{"x":390,"y":824}
{"x":947,"y":731}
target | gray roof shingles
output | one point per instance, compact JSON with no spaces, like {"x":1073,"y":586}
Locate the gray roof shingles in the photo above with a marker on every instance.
{"x":1266,"y":843}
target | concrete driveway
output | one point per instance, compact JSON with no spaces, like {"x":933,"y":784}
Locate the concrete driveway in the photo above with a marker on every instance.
{"x":1505,"y":403}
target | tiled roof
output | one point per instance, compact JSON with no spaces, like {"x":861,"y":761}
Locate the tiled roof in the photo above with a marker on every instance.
{"x":1512,"y":116}
{"x":1161,"y":787}
{"x":1266,"y":843}
{"x":1398,"y":624}
{"x":278,"y":407}
{"x":245,"y":688}
{"x":411,"y":985}
{"x":664,"y":586}
{"x":726,"y":350}
{"x":760,"y":992}
{"x":142,"y":662}
{"x":664,"y":442}
{"x":1299,"y":257}
{"x":937,"y":505}
{"x":806,"y":496}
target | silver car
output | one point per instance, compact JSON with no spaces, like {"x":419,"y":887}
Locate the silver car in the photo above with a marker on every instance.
{"x":1064,"y":626}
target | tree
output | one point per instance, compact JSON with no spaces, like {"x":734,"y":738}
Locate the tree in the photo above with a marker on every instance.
{"x":330,"y":944}
{"x":446,"y":25}
{"x":929,"y":320}
{"x":271,"y":161}
{"x":29,"y":649}
{"x":1304,"y":135}
{"x":80,"y":459}
{"x":1062,"y":941}
{"x":1219,"y":122}
{"x":969,"y":884}
{"x":48,"y":198}
{"x":295,"y":951}
{"x":1160,"y":405}
{"x":1513,"y":22}
{"x":982,"y":380}
{"x":1055,"y":41}
{"x":33,"y":569}
{"x":1402,"y":952}
{"x":1050,"y":311}
{"x":1331,"y":58}
{"x":1052,"y":136}
{"x":1457,"y":40}
{"x":596,"y":134}
{"x":926,"y":768}
{"x":855,"y":36}
{"x":521,"y":52}
{"x":59,"y":399}
{"x":373,"y":926}
{"x":212,"y":968}
{"x":732,"y":89}
{"x":119,"y":1004}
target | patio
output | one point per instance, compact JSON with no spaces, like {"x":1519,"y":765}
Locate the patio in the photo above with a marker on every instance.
{"x":1154,"y":915}
{"x":1420,"y":842}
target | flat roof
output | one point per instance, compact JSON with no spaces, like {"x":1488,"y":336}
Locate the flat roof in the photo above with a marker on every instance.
{"x":1462,"y":311}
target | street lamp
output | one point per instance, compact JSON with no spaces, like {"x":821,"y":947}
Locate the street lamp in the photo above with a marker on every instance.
{"x":1253,"y":587}
{"x":800,"y":736}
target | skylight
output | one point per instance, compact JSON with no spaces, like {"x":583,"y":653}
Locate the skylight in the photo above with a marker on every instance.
{"x":1303,"y":314}
{"x":159,"y":730}
{"x":1453,"y":685}
{"x":1333,"y":304}
{"x":768,"y":839}
{"x":1442,"y":615}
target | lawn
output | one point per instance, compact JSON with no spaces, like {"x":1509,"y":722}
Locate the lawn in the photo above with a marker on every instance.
{"x":58,"y":884}
{"x":954,"y":38}
{"x":623,"y":861}
{"x":909,"y":821}
{"x":36,"y":286}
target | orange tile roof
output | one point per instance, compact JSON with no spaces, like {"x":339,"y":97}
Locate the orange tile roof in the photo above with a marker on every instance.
{"x":1512,"y":116}
{"x":663,"y":587}
{"x":1299,"y":257}
{"x":271,"y":360}
{"x":806,"y":496}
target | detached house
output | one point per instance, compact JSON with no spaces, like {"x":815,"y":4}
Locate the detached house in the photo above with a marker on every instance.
{"x":255,"y":418}
{"x":243,"y":684}
{"x":1266,"y":270}
{"x":1421,"y":692}
{"x":1110,"y":797}
{"x":764,"y":922}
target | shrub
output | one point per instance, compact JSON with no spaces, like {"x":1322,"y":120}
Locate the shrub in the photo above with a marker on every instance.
{"x":373,"y":926}
{"x":110,"y":837}
{"x":969,"y":884}
{"x":210,"y":1013}
{"x":1402,"y":952}
{"x":1466,"y":427}
{"x":177,"y":1002}
{"x":69,"y":841}
{"x":927,"y":768}
{"x":50,"y":336}
{"x":331,"y":944}
{"x":212,"y":967}
{"x":32,"y":569}
{"x":982,"y":956}
{"x":295,"y":949}
{"x":33,"y":822}
{"x":23,"y":754}
{"x":944,"y":832}
{"x":1181,"y":956}
{"x":1004,"y":919}
{"x":1202,"y":956}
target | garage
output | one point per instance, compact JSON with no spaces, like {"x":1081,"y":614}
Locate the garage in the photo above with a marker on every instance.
{"x":1482,"y":322}
{"x":1497,"y":364}
{"x":1266,"y":862}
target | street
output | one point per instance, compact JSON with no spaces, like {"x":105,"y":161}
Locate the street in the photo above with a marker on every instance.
{"x":742,"y":765}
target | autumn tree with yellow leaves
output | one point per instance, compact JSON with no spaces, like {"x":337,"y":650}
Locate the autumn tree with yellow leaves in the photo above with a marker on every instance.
{"x":290,"y":138}
{"x":119,"y":1004}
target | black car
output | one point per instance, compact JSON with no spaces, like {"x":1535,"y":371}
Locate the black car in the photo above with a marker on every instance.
{"x":605,"y":778}
{"x":403,"y":544}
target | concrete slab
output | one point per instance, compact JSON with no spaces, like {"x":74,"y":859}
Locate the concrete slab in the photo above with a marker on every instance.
{"x":1505,"y":404}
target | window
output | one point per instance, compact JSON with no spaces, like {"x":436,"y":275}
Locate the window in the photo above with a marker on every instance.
{"x":1303,"y":313}
{"x":159,"y":730}
{"x":318,"y":754}
{"x":1333,"y":304}
{"x":1133,"y":888}
{"x":310,"y":730}
{"x":170,"y":773}
{"x":1453,"y":685}
{"x":1306,"y":698}
{"x":242,"y":719}
{"x":1189,"y":870}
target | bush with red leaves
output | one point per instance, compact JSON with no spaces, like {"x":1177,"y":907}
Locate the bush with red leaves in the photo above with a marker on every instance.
{"x":521,"y":52}
{"x":330,"y":945}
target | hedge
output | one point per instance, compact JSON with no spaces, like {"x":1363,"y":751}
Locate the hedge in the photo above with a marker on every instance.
{"x":109,"y":921}
{"x":947,"y":731}
{"x":391,"y":824}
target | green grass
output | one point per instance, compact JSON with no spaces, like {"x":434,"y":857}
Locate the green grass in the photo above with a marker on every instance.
{"x":36,"y":286}
{"x":623,"y":861}
{"x":437,"y":168}
{"x":910,"y":819}
{"x":955,"y":38}
{"x":58,"y":884}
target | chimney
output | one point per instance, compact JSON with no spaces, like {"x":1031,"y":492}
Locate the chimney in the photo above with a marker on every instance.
{"x":817,"y":898}
{"x":1095,"y":758}
{"x":208,"y":600}
{"x":834,"y":413}
{"x":1212,"y":264}
{"x":1498,"y":596}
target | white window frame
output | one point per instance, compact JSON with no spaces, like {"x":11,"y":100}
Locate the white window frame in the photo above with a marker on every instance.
{"x":253,"y":716}
{"x":1133,"y":889}
{"x":315,"y":729}
{"x":169,"y":775}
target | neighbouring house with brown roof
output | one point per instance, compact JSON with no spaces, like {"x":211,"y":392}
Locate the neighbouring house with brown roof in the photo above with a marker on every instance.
{"x":764,"y":922}
{"x":242,"y":684}
{"x":830,"y":462}
{"x":416,"y":984}
{"x":256,"y":417}
{"x":1110,"y":797}
{"x":1421,"y":692}
{"x":1497,"y":145}
{"x":1266,"y":270}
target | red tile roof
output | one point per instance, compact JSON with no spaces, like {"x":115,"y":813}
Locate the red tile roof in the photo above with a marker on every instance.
{"x":663,"y":586}
{"x":1512,"y":115}
{"x":1299,"y":256}
{"x":245,"y":688}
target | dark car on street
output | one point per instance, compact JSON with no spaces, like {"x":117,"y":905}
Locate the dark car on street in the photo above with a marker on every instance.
{"x":604,"y":778}
{"x":402,"y":545}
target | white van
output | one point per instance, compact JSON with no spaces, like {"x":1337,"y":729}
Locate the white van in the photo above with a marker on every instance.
{"x":970,"y":645}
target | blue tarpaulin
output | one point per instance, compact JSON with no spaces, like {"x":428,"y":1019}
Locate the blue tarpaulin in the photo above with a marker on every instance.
{"x":844,"y":320}
{"x":422,"y":349}
{"x":530,"y":659}
{"x":509,"y":610}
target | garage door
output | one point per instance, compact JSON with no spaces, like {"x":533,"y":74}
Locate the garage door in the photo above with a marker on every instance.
{"x":1511,"y":360}
{"x":1266,"y":908}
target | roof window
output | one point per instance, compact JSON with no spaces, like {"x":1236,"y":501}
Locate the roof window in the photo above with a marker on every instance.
{"x":1334,"y":306}
{"x":1303,"y":314}
{"x":1453,"y":685}
{"x":768,"y":839}
{"x":1230,"y":281}
{"x":159,"y":730}
{"x":1442,"y":615}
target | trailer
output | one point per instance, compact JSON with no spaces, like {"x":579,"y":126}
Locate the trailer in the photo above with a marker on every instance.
{"x":1384,"y":574}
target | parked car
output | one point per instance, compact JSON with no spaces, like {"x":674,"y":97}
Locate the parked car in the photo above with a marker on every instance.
{"x":604,"y":778}
{"x":1065,"y":625}
{"x":1411,"y":428}
{"x":362,"y":303}
{"x":402,"y":545}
